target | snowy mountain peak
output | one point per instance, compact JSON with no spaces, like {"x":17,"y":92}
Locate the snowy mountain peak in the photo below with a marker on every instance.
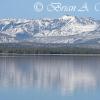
{"x":18,"y":30}
{"x":68,"y":17}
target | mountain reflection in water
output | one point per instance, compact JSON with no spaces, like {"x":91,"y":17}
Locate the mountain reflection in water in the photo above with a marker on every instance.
{"x":63,"y":73}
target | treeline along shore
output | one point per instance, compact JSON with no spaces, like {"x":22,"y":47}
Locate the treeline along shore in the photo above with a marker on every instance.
{"x":37,"y":48}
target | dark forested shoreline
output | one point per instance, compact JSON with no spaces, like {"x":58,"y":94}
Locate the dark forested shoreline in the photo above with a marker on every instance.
{"x":27,"y":48}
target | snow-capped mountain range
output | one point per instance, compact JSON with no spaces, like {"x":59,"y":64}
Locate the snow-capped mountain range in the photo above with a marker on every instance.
{"x":67,"y":29}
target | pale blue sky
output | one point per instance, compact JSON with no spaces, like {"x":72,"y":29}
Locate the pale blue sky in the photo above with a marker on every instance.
{"x":25,"y":8}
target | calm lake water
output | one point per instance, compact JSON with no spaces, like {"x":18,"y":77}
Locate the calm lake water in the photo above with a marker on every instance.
{"x":50,"y":78}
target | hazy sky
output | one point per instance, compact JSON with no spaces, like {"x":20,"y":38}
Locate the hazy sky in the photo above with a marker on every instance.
{"x":25,"y":8}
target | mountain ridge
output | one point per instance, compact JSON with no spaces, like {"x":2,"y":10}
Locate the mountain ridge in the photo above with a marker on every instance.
{"x":66,"y":29}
